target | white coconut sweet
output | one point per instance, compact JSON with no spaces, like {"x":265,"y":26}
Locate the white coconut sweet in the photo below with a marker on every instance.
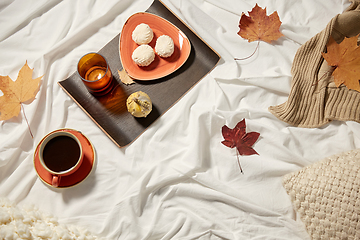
{"x":164,"y":46}
{"x":142,"y":34}
{"x":143,"y":55}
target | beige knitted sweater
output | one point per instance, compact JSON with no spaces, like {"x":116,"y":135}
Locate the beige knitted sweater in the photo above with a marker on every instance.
{"x":314,"y":100}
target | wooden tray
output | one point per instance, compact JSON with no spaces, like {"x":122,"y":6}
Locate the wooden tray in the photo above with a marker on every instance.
{"x":109,"y":112}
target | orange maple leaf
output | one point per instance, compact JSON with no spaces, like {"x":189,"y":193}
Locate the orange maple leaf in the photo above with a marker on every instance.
{"x":17,"y":92}
{"x":345,"y":60}
{"x":259,"y":26}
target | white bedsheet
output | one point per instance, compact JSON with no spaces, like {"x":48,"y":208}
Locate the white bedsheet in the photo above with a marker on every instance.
{"x":176,"y":181}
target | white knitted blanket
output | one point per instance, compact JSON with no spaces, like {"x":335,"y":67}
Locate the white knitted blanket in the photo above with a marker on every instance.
{"x":29,"y":223}
{"x":327,"y":196}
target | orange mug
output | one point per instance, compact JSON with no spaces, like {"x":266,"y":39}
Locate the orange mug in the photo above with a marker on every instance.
{"x":61,"y":154}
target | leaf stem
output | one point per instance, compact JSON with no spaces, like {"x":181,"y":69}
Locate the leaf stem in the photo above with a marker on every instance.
{"x":22,"y":108}
{"x":238,"y":160}
{"x":327,"y":72}
{"x":257,"y":46}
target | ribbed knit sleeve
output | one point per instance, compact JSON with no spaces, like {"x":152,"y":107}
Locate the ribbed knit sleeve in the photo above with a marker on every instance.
{"x":314,"y":100}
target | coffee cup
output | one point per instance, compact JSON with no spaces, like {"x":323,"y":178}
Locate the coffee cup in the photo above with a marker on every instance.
{"x":61,"y":154}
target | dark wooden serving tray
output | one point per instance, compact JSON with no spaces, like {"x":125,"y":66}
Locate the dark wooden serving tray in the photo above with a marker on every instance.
{"x":109,"y":112}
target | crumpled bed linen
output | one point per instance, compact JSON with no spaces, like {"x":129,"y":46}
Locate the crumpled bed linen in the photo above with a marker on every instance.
{"x":176,"y":181}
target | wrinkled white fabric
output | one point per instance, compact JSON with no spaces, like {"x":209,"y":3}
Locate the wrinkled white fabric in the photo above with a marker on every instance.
{"x":176,"y":181}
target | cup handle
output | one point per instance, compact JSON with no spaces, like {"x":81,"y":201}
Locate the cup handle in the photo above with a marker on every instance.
{"x":55,"y":181}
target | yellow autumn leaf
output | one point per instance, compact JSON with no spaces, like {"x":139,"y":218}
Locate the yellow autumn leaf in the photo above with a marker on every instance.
{"x":23,"y":89}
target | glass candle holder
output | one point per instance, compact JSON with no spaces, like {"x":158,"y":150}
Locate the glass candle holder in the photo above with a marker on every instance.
{"x":95,"y":73}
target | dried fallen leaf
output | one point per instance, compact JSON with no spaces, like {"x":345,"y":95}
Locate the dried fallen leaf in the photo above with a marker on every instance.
{"x":259,"y":26}
{"x":22,"y":90}
{"x":345,"y":60}
{"x":125,"y":78}
{"x":237,"y":137}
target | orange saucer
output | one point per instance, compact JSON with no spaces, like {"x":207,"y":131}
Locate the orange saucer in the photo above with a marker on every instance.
{"x":80,"y":174}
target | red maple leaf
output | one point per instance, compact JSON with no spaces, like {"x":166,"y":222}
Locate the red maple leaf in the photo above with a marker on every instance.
{"x":237,"y":137}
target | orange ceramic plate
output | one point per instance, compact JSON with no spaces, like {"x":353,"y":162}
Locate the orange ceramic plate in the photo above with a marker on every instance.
{"x":160,"y":67}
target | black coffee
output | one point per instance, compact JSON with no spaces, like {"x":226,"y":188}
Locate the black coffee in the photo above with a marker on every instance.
{"x":61,"y":153}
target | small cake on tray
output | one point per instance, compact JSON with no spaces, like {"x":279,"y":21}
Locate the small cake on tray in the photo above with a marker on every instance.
{"x":143,"y":55}
{"x":142,"y":34}
{"x":164,"y":46}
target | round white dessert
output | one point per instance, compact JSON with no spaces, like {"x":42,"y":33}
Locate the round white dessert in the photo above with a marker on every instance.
{"x":143,"y":55}
{"x":142,"y":34}
{"x":164,"y":46}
